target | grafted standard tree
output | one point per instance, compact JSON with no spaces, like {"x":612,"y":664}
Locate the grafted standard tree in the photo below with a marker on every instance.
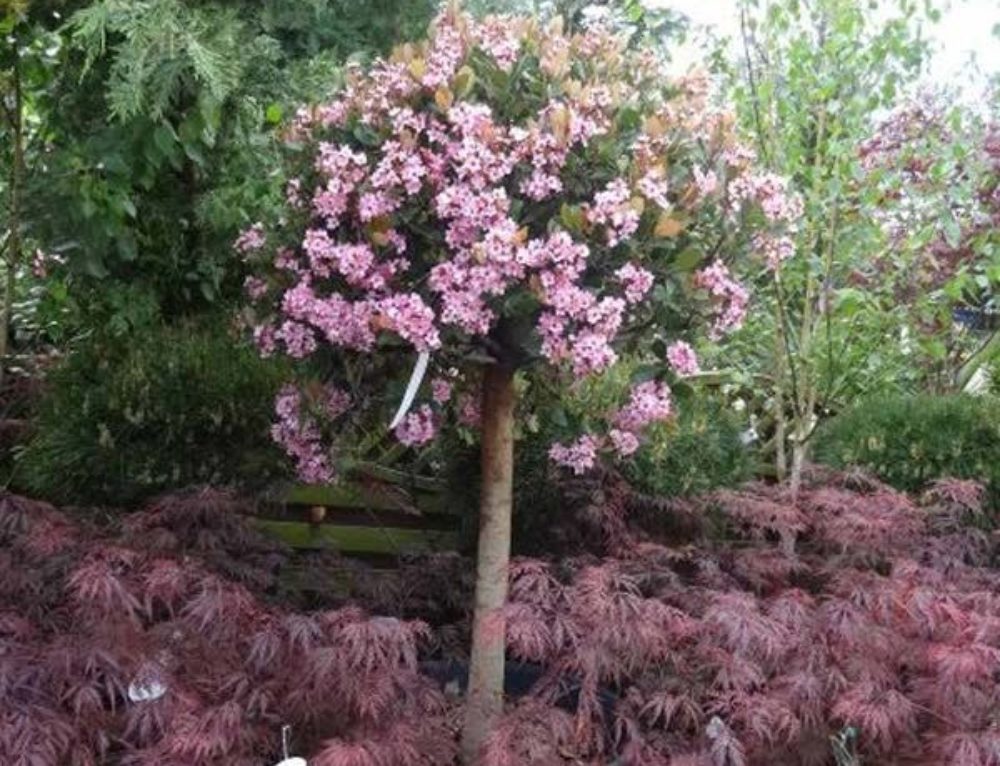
{"x":516,"y":208}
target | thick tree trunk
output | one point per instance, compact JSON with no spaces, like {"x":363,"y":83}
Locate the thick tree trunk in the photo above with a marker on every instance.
{"x":484,"y":699}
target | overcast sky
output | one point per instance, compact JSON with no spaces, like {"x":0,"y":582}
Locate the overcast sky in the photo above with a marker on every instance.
{"x":964,"y":35}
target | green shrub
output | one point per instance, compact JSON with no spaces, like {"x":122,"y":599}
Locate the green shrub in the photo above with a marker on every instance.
{"x":910,"y":440}
{"x":701,"y":449}
{"x":175,"y":406}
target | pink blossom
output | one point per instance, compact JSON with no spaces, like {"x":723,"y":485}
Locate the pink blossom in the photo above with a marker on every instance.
{"x":624,"y":442}
{"x":499,"y":37}
{"x":299,"y":340}
{"x":298,"y":433}
{"x":469,"y":410}
{"x":255,"y":288}
{"x":590,"y":352}
{"x":612,"y":208}
{"x":250,"y":239}
{"x":417,"y":428}
{"x":771,"y":192}
{"x":445,"y":54}
{"x":408,"y":316}
{"x":648,"y":403}
{"x":682,"y":358}
{"x":636,"y":280}
{"x":441,"y":390}
{"x":775,"y":249}
{"x":337,"y":401}
{"x":264,"y":339}
{"x":730,"y":296}
{"x":654,"y":188}
{"x":579,"y":456}
{"x":706,"y":182}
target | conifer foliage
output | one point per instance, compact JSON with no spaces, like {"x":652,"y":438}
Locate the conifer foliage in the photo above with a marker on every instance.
{"x":853,"y":620}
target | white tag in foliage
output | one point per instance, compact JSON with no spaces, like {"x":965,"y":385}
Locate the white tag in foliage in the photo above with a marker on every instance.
{"x":416,"y":378}
{"x":286,"y":732}
{"x":147,"y":686}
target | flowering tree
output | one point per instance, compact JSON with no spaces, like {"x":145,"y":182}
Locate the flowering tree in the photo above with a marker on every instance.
{"x":510,"y":207}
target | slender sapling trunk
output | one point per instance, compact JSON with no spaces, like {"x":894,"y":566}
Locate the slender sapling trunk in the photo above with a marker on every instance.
{"x":484,"y":699}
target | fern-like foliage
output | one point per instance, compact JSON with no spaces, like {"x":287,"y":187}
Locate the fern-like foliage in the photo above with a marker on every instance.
{"x":164,"y":50}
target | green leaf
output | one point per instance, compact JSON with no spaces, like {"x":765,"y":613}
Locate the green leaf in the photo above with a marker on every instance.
{"x":274,"y":114}
{"x":165,"y":139}
{"x":952,"y":232}
{"x":687,"y":259}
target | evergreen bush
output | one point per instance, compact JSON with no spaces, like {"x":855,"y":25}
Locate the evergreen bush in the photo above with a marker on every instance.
{"x":172,"y":407}
{"x":909,"y":441}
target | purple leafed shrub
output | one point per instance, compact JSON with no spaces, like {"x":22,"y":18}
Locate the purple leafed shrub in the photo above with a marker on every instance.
{"x":133,"y":651}
{"x":853,"y":620}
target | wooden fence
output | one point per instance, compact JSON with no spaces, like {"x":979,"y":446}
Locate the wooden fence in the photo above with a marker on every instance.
{"x":367,"y":518}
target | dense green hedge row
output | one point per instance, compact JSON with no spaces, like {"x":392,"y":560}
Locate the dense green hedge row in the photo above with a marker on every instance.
{"x":908,"y":441}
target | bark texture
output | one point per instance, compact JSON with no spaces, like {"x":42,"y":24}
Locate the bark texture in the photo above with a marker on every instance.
{"x":484,"y":701}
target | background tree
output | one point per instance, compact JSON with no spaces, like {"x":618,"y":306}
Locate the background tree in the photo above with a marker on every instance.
{"x":936,"y":162}
{"x":812,"y":76}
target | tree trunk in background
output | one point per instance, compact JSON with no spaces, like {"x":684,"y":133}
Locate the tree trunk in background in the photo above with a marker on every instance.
{"x":14,"y":236}
{"x":484,"y":698}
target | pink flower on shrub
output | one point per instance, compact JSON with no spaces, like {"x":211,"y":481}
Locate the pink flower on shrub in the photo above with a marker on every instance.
{"x":612,"y":208}
{"x":682,"y":358}
{"x":636,"y":280}
{"x":469,"y":411}
{"x":579,"y":456}
{"x":648,"y":403}
{"x":624,"y":442}
{"x":417,"y":428}
{"x":441,"y":390}
{"x":728,"y":294}
{"x":250,"y":239}
{"x":298,"y":433}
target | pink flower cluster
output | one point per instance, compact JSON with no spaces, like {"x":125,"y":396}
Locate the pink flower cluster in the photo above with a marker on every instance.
{"x":682,"y":358}
{"x":774,"y":249}
{"x":299,"y":435}
{"x":417,"y":428}
{"x":250,"y":239}
{"x":612,"y":209}
{"x":579,"y":456}
{"x":728,"y":294}
{"x":500,"y":37}
{"x":636,"y":280}
{"x":648,"y":403}
{"x":780,"y":207}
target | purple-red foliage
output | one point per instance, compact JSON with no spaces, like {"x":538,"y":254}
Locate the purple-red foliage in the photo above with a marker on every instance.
{"x":790,"y":622}
{"x":133,"y":651}
{"x":848,"y":606}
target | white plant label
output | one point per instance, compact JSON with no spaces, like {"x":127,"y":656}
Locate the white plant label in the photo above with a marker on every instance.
{"x":416,"y":378}
{"x":146,"y":689}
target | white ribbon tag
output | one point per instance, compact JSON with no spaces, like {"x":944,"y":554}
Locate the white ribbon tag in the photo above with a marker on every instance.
{"x":416,"y":378}
{"x":286,"y":731}
{"x":146,"y":690}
